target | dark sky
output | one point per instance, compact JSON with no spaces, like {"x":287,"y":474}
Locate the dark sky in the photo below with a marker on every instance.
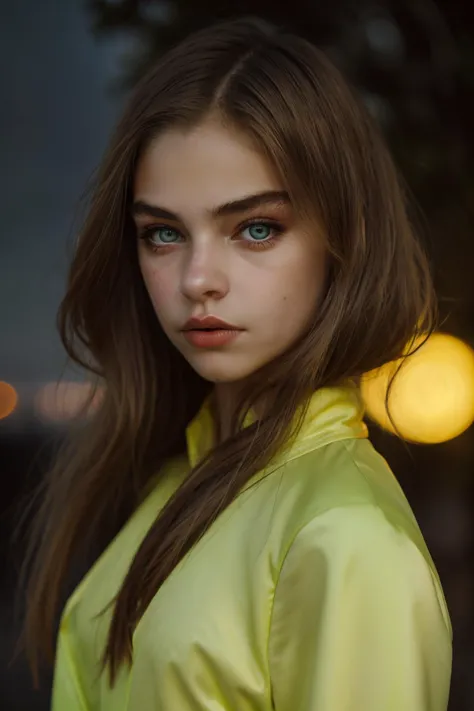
{"x":57,"y":110}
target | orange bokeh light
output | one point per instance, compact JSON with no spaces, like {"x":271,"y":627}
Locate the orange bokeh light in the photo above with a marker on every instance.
{"x":8,"y":399}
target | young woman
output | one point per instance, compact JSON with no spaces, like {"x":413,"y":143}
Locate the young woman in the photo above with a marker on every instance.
{"x":246,"y":258}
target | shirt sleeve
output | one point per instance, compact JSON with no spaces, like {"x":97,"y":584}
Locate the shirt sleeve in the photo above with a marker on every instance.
{"x":359,"y":620}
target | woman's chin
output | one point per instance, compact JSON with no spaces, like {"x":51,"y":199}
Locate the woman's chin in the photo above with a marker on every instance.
{"x":222,"y":368}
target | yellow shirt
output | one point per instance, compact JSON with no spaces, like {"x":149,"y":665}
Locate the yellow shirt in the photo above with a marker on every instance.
{"x":313,"y":591}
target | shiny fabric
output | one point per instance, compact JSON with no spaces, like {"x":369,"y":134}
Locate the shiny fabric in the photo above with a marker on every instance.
{"x":313,"y":591}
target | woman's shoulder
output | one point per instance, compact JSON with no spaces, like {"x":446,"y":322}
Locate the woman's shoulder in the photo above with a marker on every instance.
{"x":345,"y":478}
{"x":343,"y":502}
{"x":349,"y":472}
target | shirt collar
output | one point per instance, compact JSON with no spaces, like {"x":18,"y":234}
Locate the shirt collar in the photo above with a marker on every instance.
{"x":334,"y":413}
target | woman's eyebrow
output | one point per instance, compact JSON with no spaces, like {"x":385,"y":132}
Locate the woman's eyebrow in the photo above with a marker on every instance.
{"x":269,"y":197}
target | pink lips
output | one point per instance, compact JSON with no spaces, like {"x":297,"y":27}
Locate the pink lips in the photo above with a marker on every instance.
{"x":209,"y":332}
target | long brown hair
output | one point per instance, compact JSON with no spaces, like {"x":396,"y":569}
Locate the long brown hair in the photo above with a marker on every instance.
{"x":283,"y":93}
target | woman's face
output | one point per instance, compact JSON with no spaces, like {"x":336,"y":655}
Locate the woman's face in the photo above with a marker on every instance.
{"x":218,"y":237}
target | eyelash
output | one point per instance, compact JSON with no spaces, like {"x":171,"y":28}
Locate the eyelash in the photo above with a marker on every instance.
{"x":276,"y":228}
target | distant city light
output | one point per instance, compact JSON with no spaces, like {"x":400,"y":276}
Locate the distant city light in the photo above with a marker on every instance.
{"x":8,"y":399}
{"x":64,"y":401}
{"x":432,"y":398}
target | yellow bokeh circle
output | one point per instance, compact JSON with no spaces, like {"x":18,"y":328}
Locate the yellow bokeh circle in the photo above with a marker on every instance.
{"x":432,"y":398}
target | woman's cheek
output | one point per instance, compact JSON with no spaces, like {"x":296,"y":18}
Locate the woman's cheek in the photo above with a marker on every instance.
{"x":159,"y":283}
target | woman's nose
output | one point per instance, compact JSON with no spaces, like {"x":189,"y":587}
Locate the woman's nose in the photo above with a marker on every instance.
{"x":204,"y":274}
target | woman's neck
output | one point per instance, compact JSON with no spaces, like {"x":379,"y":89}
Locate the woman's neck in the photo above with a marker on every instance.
{"x":224,"y":403}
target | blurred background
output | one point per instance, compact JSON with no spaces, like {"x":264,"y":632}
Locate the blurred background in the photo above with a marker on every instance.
{"x":68,"y":66}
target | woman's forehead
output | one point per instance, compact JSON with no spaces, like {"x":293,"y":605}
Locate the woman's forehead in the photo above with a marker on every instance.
{"x":207,"y":166}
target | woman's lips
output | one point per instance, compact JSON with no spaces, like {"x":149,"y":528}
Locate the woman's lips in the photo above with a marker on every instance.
{"x":209,"y":331}
{"x":211,"y":338}
{"x":208,"y":322}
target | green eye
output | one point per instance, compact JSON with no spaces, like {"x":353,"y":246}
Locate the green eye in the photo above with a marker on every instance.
{"x":166,"y":235}
{"x":259,"y":231}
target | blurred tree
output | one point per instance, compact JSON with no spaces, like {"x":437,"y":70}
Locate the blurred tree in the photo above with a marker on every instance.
{"x":412,"y":61}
